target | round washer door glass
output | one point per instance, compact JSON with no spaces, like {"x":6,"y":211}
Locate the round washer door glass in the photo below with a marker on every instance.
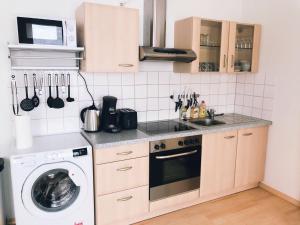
{"x":54,"y":191}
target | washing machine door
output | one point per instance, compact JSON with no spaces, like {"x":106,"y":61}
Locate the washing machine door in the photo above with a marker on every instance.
{"x":55,"y":190}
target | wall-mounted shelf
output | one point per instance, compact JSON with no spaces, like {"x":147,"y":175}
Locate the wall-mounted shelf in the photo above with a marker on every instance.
{"x":44,"y":57}
{"x":43,"y":68}
{"x":44,"y":48}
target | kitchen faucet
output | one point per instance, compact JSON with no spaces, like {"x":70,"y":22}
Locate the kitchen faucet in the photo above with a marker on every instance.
{"x":211,"y":113}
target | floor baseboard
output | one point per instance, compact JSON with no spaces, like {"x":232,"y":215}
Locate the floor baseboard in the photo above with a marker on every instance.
{"x":279,"y":194}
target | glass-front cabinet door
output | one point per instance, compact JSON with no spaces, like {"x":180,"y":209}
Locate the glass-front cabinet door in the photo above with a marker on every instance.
{"x":244,"y":43}
{"x":213,"y":46}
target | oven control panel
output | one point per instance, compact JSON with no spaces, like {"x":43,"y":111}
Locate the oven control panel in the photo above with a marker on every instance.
{"x":175,"y":143}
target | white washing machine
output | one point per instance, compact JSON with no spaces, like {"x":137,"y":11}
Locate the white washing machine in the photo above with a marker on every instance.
{"x":53,"y":182}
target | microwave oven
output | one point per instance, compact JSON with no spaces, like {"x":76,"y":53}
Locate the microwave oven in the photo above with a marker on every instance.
{"x":47,"y":32}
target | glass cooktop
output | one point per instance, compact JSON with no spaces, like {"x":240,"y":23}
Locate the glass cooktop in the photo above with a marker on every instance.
{"x":163,"y":127}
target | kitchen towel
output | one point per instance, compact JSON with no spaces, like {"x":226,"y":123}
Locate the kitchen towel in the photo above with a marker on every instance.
{"x":23,"y":132}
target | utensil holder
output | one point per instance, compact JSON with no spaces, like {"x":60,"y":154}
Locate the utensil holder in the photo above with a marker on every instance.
{"x":23,"y":132}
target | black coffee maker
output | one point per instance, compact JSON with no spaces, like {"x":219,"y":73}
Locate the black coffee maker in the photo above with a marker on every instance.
{"x":110,"y":115}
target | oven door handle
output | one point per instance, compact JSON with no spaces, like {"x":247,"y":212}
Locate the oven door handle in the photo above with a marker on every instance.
{"x":176,"y":155}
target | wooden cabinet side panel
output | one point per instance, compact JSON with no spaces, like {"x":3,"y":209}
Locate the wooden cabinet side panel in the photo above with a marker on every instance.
{"x":187,"y":36}
{"x":80,"y":24}
{"x":231,"y":47}
{"x":251,"y":155}
{"x":256,"y":48}
{"x":218,"y":163}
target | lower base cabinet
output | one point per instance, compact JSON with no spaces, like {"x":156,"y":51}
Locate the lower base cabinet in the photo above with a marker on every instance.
{"x":251,"y":156}
{"x":218,"y":162}
{"x":113,"y":208}
{"x":232,"y":161}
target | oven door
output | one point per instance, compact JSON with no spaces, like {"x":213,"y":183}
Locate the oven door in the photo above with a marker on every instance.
{"x":174,"y":171}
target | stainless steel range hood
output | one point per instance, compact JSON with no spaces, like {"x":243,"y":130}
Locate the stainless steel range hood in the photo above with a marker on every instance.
{"x":155,"y":35}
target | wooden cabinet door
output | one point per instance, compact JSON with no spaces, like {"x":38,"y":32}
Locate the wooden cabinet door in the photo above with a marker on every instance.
{"x":244,"y":46}
{"x":187,"y":36}
{"x":122,"y":175}
{"x":117,"y":207}
{"x":218,"y":162}
{"x":224,"y":47}
{"x":110,"y":37}
{"x":251,"y":155}
{"x":126,"y":40}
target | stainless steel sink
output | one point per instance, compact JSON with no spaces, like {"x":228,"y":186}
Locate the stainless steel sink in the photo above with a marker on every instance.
{"x":207,"y":122}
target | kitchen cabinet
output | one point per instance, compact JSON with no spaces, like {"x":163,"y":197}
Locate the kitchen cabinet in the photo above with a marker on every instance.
{"x":121,"y":182}
{"x":110,"y":35}
{"x":221,"y":46}
{"x":218,"y":162}
{"x":243,"y":50}
{"x":122,"y":152}
{"x":251,"y":155}
{"x":114,"y":208}
{"x":118,"y":176}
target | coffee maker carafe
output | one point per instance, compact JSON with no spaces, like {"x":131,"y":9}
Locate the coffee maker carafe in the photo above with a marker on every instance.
{"x":110,"y":115}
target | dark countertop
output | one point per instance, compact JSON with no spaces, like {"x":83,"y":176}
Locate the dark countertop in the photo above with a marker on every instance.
{"x":233,"y":122}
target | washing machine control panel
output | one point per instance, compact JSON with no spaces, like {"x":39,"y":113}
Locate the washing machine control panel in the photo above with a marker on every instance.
{"x":80,"y":152}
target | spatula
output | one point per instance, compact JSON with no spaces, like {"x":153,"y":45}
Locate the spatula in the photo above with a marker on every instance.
{"x":26,"y":104}
{"x":35,"y":99}
{"x":57,"y":103}
{"x":69,"y":99}
{"x":50,"y":98}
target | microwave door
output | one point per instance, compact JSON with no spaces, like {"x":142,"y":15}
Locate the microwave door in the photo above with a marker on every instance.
{"x":40,"y":31}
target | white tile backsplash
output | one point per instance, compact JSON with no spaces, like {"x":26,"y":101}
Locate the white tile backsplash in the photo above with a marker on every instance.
{"x":101,"y":79}
{"x":141,"y":91}
{"x":140,"y":78}
{"x":148,"y":92}
{"x":254,"y":95}
{"x":152,"y":91}
{"x":164,"y":91}
{"x":114,"y":79}
{"x":127,"y":79}
{"x":127,"y":92}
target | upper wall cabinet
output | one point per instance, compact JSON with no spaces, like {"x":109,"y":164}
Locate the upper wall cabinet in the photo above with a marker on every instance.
{"x":221,"y":46}
{"x":244,"y":44}
{"x":110,"y":35}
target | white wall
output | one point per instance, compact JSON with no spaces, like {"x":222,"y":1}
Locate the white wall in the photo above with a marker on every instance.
{"x":280,"y":60}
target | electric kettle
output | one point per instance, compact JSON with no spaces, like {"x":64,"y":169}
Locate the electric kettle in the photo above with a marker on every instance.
{"x":90,"y":118}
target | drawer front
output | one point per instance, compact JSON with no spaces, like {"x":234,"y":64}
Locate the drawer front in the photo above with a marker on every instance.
{"x":119,"y":153}
{"x":113,"y":208}
{"x":119,"y":176}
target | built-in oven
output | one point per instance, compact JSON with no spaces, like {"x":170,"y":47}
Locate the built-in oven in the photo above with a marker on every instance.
{"x":175,"y":166}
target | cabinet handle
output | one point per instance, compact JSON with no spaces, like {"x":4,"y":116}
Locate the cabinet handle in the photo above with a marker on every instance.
{"x":125,"y":153}
{"x":125,"y":168}
{"x":247,"y":134}
{"x":124,"y":199}
{"x":232,"y":61}
{"x":225,"y":61}
{"x":229,"y":137}
{"x":126,"y":65}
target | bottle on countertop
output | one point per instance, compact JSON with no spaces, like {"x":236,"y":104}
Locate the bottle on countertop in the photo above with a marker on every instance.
{"x":195,"y":112}
{"x":202,"y":110}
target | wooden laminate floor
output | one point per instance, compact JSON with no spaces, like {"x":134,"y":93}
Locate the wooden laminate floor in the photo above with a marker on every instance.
{"x":253,"y":207}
